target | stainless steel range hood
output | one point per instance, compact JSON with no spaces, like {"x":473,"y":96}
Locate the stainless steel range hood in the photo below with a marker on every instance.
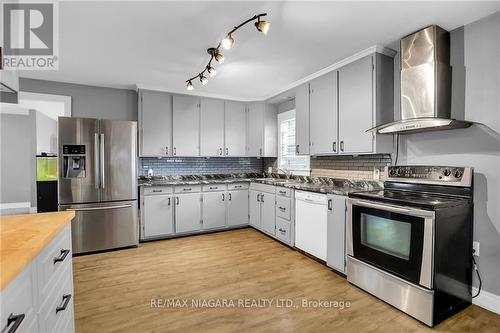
{"x":425,"y":84}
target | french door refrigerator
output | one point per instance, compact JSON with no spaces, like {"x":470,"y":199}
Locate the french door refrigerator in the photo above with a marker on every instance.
{"x":98,"y":180}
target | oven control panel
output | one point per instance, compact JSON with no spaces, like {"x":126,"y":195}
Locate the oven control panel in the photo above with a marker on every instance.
{"x":460,"y":176}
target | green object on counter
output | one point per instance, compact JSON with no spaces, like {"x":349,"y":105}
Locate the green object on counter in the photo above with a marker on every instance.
{"x":46,"y":168}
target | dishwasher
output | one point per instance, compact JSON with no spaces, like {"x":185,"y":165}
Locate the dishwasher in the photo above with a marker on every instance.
{"x":310,"y":223}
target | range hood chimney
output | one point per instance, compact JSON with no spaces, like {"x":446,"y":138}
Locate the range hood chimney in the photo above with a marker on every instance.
{"x":425,"y":84}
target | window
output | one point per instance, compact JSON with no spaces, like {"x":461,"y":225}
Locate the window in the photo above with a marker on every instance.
{"x":287,"y":159}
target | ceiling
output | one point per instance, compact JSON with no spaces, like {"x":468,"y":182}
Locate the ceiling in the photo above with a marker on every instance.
{"x":158,"y":45}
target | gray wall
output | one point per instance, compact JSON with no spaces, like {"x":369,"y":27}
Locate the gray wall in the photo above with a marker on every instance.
{"x":477,"y":146}
{"x":89,"y":101}
{"x":17,"y":158}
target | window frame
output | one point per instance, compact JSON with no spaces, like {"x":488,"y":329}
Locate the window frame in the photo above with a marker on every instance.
{"x":284,"y":116}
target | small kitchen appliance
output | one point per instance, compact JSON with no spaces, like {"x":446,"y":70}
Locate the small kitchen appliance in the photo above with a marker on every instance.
{"x":410,"y":244}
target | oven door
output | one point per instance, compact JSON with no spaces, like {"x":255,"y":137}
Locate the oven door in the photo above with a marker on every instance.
{"x":399,"y":240}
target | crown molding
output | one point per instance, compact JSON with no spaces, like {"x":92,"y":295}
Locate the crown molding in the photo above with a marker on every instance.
{"x":196,"y":94}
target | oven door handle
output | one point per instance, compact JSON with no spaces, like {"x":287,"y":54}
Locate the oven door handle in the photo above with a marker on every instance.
{"x":390,"y":208}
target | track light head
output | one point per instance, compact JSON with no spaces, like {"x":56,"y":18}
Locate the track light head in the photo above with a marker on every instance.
{"x":189,"y":85}
{"x":227,"y":42}
{"x":203,"y":79}
{"x":219,"y":57}
{"x":262,"y":26}
{"x":211,"y":71}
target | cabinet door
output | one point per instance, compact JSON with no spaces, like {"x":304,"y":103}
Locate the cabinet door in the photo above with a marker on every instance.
{"x":214,"y":210}
{"x":356,"y":106}
{"x":254,"y":209}
{"x":268,"y":213}
{"x":237,"y":207}
{"x":186,"y":127}
{"x":235,"y":129}
{"x":158,"y":215}
{"x":335,"y":229}
{"x":323,"y":114}
{"x":302,"y":119}
{"x":211,"y":127}
{"x":255,"y":128}
{"x":187,"y":212}
{"x":155,"y":123}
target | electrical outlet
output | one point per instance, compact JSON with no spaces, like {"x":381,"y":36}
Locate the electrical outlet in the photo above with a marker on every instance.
{"x":475,"y":248}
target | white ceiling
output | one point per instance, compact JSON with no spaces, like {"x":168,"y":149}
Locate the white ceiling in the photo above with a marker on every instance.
{"x":158,"y":45}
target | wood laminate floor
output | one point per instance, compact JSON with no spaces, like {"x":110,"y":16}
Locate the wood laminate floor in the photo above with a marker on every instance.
{"x":113,"y":291}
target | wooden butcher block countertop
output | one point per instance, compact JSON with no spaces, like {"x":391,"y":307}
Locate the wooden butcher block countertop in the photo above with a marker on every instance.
{"x":23,"y":237}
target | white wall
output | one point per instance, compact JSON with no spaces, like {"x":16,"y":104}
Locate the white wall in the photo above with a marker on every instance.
{"x":477,"y":146}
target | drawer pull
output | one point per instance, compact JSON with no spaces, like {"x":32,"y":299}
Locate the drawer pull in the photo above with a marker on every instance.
{"x":157,"y":191}
{"x":16,"y":319}
{"x":282,"y":192}
{"x":282,"y":208}
{"x":187,"y":189}
{"x":238,"y":186}
{"x":282,"y":230}
{"x":214,"y":187}
{"x":62,"y":256}
{"x":65,"y":302}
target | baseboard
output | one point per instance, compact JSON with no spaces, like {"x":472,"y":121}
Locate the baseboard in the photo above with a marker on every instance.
{"x":487,"y":300}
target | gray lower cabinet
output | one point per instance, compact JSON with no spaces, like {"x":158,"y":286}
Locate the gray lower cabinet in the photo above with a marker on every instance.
{"x":158,"y":215}
{"x":254,"y":208}
{"x":187,"y":212}
{"x":268,"y":213}
{"x":186,"y":119}
{"x":237,"y":207}
{"x":214,"y":210}
{"x":335,"y":256}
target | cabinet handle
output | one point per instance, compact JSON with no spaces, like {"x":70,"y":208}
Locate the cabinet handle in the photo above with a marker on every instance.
{"x":282,"y":192}
{"x":157,"y":191}
{"x":237,"y":186}
{"x":16,"y":319}
{"x":262,"y":197}
{"x":297,"y":149}
{"x":260,"y":151}
{"x":229,"y":196}
{"x":175,"y":151}
{"x":282,"y":230}
{"x":341,"y":145}
{"x":62,"y":256}
{"x":330,"y":204}
{"x":335,"y":146}
{"x":227,"y":151}
{"x":177,"y":201}
{"x":187,"y":189}
{"x":65,"y":302}
{"x":213,"y":187}
{"x":166,"y":150}
{"x":223,"y":197}
{"x":168,"y":201}
{"x":258,"y":197}
{"x":220,"y":151}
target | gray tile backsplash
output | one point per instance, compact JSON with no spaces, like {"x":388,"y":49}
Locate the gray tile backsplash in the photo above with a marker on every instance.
{"x":171,"y":166}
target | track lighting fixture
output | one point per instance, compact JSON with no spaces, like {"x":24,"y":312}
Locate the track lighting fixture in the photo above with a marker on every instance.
{"x":226,"y":43}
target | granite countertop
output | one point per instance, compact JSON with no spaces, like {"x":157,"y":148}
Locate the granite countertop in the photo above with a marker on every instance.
{"x":23,"y":237}
{"x":337,"y":186}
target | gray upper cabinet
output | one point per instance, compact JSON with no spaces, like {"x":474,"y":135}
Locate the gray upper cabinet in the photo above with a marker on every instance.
{"x":323,"y":114}
{"x":366,"y":98}
{"x":262,"y":130}
{"x":235,"y":127}
{"x":302,"y":119}
{"x":211,"y":127}
{"x":186,"y":129}
{"x":155,"y":123}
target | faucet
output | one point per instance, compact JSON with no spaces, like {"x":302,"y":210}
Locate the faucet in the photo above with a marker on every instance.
{"x":286,"y":172}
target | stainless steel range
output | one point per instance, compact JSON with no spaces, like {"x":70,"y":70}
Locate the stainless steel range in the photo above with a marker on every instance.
{"x":410,"y":244}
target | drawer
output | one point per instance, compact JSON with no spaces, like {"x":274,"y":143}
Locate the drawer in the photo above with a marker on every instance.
{"x":238,"y":186}
{"x":283,"y":206}
{"x":214,"y":187}
{"x":187,"y":188}
{"x":54,"y":259}
{"x":157,"y":190}
{"x":19,"y":299}
{"x":263,"y":188}
{"x":283,"y":229}
{"x":58,"y":304}
{"x":283,"y":191}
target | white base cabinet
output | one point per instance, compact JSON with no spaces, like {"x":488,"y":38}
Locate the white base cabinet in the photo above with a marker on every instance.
{"x":187,"y":212}
{"x":40,"y":298}
{"x":336,"y":256}
{"x":237,"y":207}
{"x":214,"y":210}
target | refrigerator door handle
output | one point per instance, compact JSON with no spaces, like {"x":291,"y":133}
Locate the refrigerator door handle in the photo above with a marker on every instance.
{"x":96,"y":161}
{"x":102,"y":159}
{"x":99,"y":208}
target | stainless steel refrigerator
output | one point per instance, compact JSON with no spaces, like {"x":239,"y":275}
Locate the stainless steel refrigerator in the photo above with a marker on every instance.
{"x":98,"y":179}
